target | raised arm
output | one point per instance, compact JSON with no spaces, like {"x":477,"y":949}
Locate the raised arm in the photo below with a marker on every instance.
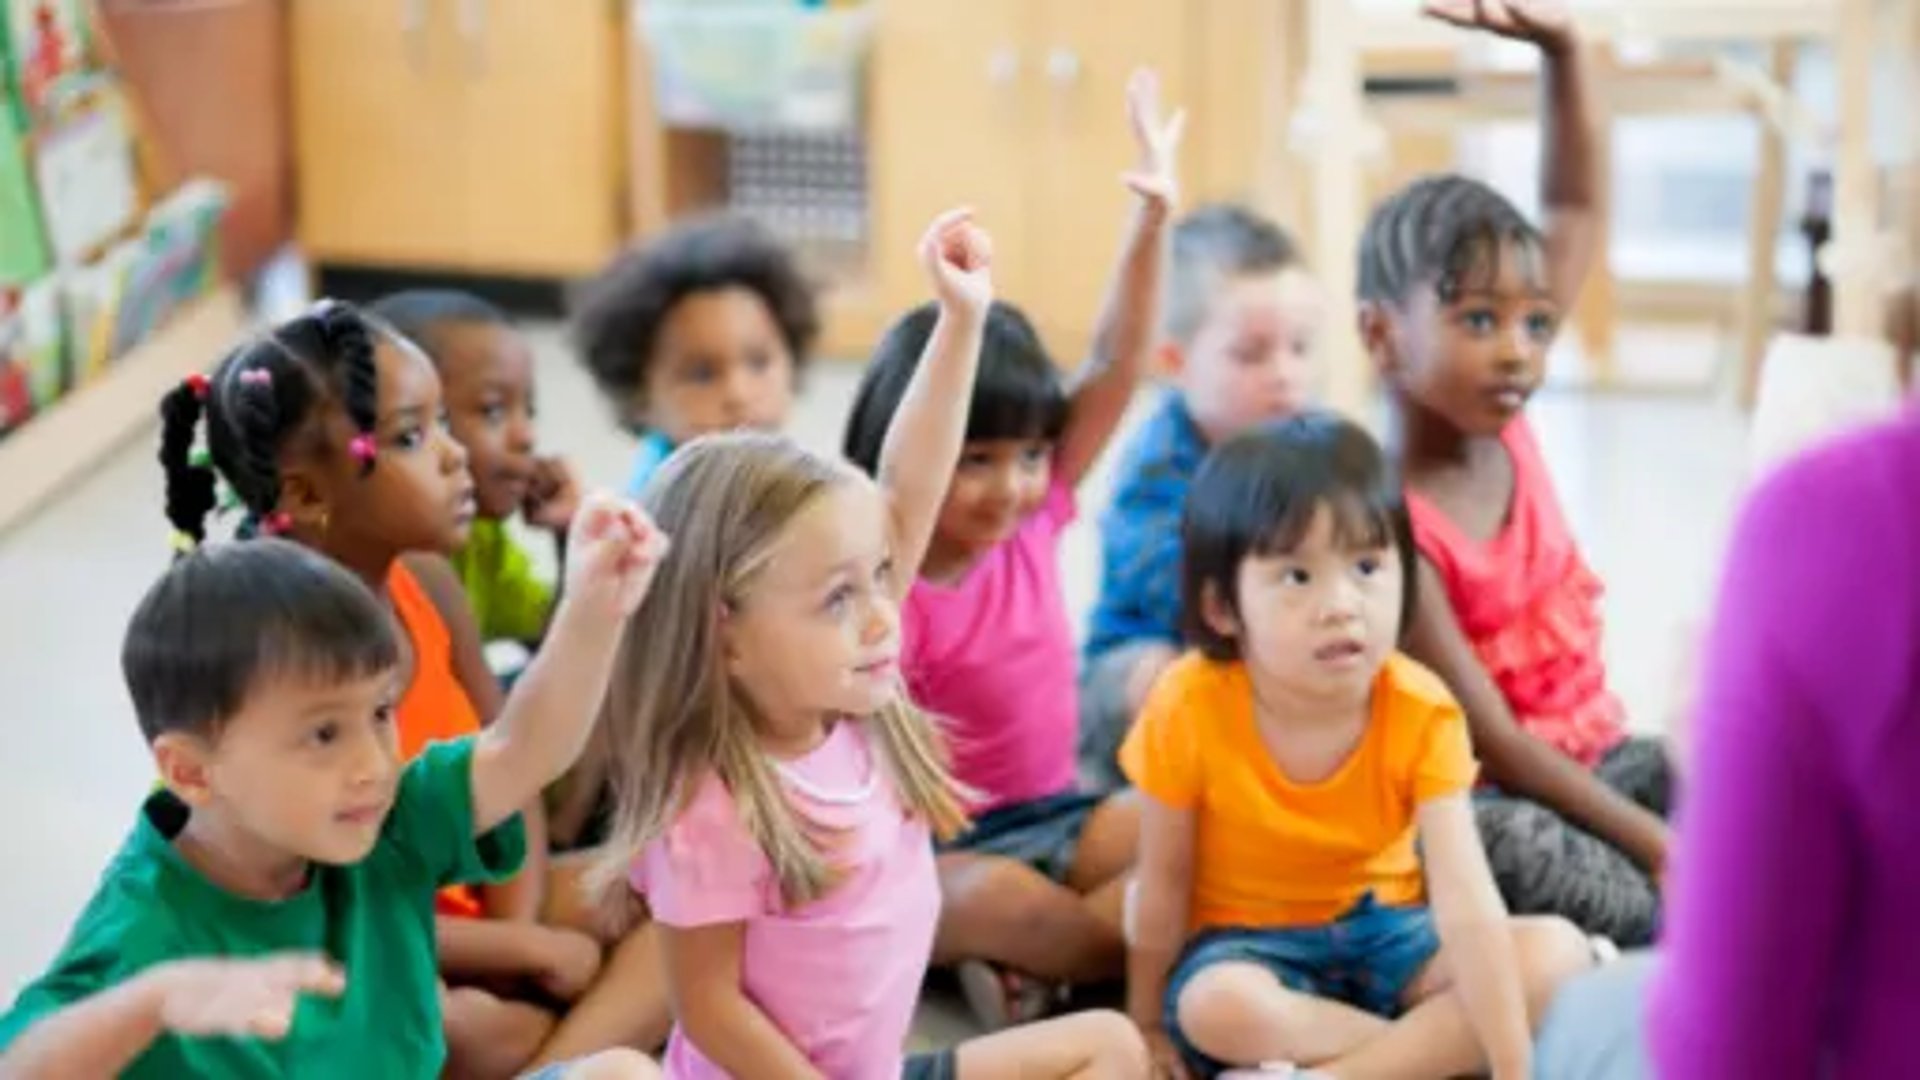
{"x":1572,"y":191}
{"x":1516,"y":761}
{"x":1129,"y":323}
{"x":923,"y":442}
{"x":1472,"y":924}
{"x":545,"y":723}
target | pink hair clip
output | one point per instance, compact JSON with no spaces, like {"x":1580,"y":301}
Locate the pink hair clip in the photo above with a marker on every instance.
{"x":197,"y":383}
{"x":363,"y":448}
{"x":278,"y":523}
{"x":256,"y":377}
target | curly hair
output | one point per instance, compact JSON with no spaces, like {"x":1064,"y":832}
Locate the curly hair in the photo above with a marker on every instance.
{"x":618,"y":315}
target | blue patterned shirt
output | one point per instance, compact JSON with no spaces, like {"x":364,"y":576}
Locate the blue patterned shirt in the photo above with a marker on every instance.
{"x":1140,"y":532}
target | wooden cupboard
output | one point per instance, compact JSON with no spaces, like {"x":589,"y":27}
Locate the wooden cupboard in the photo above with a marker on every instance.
{"x":474,"y":136}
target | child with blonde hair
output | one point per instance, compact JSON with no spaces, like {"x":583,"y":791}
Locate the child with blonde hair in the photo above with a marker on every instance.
{"x":1033,"y":887}
{"x":776,"y":795}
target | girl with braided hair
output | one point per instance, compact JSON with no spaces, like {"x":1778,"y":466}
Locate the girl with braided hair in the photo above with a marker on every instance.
{"x":1460,"y":298}
{"x":330,"y":431}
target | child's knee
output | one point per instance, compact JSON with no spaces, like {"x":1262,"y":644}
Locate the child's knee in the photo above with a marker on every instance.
{"x":1550,"y":950}
{"x":1222,"y":1003}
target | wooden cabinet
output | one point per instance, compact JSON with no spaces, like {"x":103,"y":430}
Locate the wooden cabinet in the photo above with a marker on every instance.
{"x":476,"y":136}
{"x":1016,"y":107}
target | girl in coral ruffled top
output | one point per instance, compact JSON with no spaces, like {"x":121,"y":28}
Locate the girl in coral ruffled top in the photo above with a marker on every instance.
{"x":1460,"y":297}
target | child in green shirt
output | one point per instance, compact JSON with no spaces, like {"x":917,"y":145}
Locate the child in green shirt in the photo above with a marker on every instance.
{"x":486,"y":371}
{"x":287,"y":848}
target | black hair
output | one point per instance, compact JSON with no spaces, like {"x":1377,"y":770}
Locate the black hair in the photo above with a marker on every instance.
{"x":264,"y":394}
{"x":1257,"y":494}
{"x":1446,"y":231}
{"x":418,"y":314}
{"x":226,"y":617}
{"x":1017,"y":393}
{"x":619,"y":313}
{"x":1211,"y":244}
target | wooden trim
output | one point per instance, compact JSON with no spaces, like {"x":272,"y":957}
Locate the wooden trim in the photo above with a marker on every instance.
{"x":1763,"y":236}
{"x":56,"y":449}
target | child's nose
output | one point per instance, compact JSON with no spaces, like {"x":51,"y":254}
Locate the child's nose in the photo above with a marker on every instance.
{"x":453,"y":455}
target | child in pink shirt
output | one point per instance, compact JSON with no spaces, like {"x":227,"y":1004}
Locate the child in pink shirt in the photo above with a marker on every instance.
{"x":1033,"y":890}
{"x":776,"y":796}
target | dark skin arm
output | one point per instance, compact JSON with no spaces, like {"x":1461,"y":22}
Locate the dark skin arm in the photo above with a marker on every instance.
{"x":1572,"y":191}
{"x":1513,"y":759}
{"x":521,"y":897}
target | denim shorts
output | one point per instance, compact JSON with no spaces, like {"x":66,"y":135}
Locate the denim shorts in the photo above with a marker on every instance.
{"x":1043,"y":833}
{"x":935,"y":1065}
{"x":1366,"y":958}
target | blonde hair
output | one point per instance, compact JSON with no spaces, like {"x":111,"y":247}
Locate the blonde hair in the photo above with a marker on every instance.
{"x":673,"y":714}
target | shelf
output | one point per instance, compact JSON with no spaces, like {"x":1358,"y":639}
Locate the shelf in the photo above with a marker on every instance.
{"x":58,"y":448}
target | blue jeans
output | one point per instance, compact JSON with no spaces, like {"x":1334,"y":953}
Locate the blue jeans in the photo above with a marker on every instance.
{"x":1366,"y":958}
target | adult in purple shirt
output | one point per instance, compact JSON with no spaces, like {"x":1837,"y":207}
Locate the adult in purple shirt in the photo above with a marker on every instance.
{"x":1793,"y":946}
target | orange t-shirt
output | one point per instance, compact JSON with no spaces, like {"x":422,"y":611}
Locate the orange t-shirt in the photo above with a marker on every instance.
{"x":1271,"y":852}
{"x":435,"y":707}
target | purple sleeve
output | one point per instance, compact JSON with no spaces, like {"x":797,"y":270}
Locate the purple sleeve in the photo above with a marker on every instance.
{"x":1766,"y":855}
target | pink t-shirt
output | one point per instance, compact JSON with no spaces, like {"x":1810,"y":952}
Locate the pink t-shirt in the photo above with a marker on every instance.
{"x":992,"y":658}
{"x":839,"y":976}
{"x":1530,"y":606}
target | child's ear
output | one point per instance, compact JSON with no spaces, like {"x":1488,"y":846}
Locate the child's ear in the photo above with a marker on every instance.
{"x":303,"y":496}
{"x":185,"y":762}
{"x":1376,"y":335}
{"x":1216,"y":612}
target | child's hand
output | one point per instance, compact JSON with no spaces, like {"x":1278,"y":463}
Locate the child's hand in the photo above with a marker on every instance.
{"x":1156,"y":173}
{"x":958,"y":256}
{"x":1544,"y":23}
{"x":565,"y":962}
{"x":613,"y":550}
{"x":553,"y":498}
{"x":242,"y":998}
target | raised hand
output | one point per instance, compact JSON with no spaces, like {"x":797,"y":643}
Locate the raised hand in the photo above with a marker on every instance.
{"x":1156,"y":172}
{"x":958,"y":258}
{"x":252,"y":998}
{"x":554,"y":496}
{"x":1545,"y":23}
{"x":613,"y":550}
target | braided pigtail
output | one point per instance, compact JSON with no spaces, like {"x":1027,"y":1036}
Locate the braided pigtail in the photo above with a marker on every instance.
{"x":191,"y":488}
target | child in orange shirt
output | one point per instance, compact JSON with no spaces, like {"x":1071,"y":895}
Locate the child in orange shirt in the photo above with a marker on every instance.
{"x":1289,"y":766}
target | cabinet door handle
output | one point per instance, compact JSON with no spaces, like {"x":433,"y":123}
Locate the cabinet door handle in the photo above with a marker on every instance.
{"x":473,"y":33}
{"x":1063,"y":66}
{"x":1003,"y":66}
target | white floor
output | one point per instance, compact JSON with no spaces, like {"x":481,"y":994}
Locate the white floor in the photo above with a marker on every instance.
{"x":1648,"y":483}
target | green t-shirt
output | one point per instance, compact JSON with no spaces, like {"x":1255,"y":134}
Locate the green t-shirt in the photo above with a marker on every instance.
{"x":510,"y":602}
{"x":374,"y":919}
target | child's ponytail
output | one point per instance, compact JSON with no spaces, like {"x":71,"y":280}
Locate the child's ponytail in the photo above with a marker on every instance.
{"x":258,"y":399}
{"x":191,"y":490}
